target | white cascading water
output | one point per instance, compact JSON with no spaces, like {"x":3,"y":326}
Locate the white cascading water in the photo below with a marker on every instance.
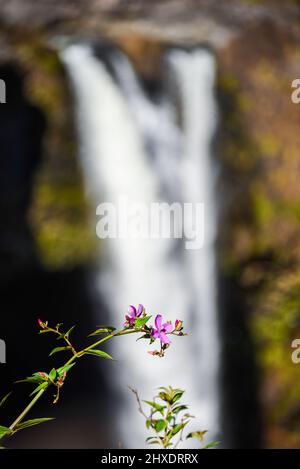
{"x":134,"y":148}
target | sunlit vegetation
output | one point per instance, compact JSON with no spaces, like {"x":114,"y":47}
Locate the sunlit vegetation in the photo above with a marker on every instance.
{"x":262,"y":246}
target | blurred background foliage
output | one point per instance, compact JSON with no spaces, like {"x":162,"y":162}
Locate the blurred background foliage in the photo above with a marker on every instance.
{"x":261,"y":243}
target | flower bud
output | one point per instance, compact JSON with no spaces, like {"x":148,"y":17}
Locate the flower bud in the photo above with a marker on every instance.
{"x":154,"y":353}
{"x":42,"y":324}
{"x":178,"y":325}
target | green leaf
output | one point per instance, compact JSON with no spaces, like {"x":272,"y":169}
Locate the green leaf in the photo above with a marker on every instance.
{"x":52,"y":374}
{"x":170,"y":394}
{"x":148,"y":423}
{"x":179,"y":408}
{"x":4,"y":399}
{"x":35,"y":378}
{"x":164,"y":388}
{"x":211,"y":445}
{"x":58,"y":349}
{"x":39,"y":387}
{"x":30,"y":379}
{"x":177,"y":395}
{"x":160,"y":425}
{"x":177,"y":428}
{"x":160,"y":408}
{"x":31,"y":423}
{"x":148,"y":440}
{"x":64,"y":335}
{"x":164,"y":397}
{"x":64,"y":369}
{"x":145,"y":336}
{"x":199,"y":435}
{"x":139,"y":322}
{"x":69,"y":332}
{"x":99,"y":353}
{"x":154,"y":441}
{"x":103,"y":330}
{"x":4,"y":431}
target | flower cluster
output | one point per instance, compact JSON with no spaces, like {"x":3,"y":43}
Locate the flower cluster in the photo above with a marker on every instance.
{"x":133,"y":314}
{"x":137,"y":320}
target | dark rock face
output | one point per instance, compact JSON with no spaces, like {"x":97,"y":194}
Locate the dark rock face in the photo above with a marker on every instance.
{"x":194,"y":19}
{"x":22,"y":127}
{"x":18,"y":13}
{"x":241,"y":414}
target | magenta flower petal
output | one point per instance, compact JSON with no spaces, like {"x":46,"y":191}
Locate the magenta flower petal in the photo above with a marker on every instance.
{"x":131,"y":311}
{"x":164,"y":338}
{"x":167,"y":327}
{"x":155,"y":333}
{"x":140,"y":310}
{"x":158,"y":321}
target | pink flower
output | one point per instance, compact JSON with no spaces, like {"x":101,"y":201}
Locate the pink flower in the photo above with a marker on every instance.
{"x":160,"y":330}
{"x":133,"y":314}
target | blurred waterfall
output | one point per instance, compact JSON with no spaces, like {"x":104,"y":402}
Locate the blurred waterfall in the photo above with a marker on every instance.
{"x":132,"y":146}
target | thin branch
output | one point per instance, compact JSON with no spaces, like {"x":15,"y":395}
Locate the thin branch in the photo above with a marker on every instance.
{"x":136,"y":394}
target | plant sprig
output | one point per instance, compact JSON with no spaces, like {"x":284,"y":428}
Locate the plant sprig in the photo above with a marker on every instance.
{"x":136,"y":323}
{"x":168,"y":419}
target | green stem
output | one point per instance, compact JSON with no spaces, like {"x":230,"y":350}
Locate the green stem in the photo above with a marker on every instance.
{"x":70,"y":345}
{"x":56,"y":331}
{"x":27,"y":409}
{"x":91,"y":347}
{"x":72,"y":359}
